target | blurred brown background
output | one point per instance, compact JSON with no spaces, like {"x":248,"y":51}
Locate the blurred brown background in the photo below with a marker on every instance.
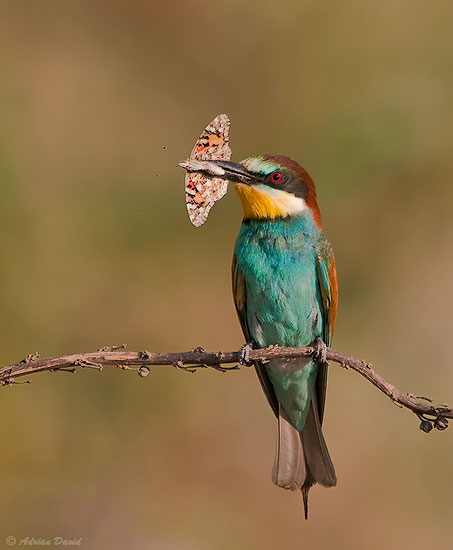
{"x":97,"y":249}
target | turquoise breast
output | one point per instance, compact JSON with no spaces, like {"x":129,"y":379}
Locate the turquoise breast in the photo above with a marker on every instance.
{"x":278,"y":261}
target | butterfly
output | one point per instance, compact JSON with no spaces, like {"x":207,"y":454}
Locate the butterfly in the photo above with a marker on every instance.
{"x":203,"y":192}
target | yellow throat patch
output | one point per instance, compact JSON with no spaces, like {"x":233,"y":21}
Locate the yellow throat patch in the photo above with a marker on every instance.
{"x":260,"y":203}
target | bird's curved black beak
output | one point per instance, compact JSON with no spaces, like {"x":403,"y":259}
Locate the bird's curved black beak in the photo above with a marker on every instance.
{"x":231,"y":171}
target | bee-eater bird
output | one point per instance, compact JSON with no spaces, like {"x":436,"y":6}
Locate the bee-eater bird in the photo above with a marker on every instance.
{"x":285,"y":292}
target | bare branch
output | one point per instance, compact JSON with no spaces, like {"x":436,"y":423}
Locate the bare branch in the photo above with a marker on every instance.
{"x":430,"y":415}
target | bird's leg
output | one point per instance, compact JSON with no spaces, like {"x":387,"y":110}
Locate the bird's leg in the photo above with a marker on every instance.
{"x":319,"y":351}
{"x":244,"y":354}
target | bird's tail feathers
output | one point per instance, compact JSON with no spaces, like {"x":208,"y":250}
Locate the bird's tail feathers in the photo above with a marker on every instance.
{"x":315,"y":449}
{"x":318,"y":463}
{"x":288,"y":471}
{"x":302,"y":458}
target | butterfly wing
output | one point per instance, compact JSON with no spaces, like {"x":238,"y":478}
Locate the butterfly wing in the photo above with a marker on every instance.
{"x":203,"y":192}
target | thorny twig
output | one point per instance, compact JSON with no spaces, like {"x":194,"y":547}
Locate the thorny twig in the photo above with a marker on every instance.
{"x":430,"y":415}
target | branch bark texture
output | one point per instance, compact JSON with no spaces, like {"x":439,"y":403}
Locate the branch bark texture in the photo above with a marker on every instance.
{"x":430,"y":415}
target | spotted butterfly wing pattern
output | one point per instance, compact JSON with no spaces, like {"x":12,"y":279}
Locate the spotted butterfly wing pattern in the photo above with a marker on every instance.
{"x":203,"y":192}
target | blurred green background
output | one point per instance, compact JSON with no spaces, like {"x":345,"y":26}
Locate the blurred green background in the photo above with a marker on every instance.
{"x":97,"y":250}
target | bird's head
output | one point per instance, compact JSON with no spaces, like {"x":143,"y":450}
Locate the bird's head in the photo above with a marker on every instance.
{"x":271,"y":186}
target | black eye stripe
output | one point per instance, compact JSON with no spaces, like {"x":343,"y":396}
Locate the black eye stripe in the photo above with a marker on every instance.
{"x":286,"y":182}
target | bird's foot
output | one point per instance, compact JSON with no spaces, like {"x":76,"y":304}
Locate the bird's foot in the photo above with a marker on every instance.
{"x":244,"y":354}
{"x":319,"y":351}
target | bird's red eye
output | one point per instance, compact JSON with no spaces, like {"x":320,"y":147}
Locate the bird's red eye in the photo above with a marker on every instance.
{"x":276,"y":177}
